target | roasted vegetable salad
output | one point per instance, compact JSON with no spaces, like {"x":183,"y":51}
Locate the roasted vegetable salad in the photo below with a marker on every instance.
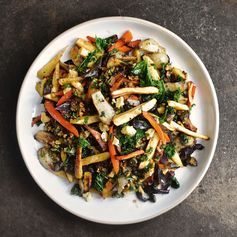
{"x":116,"y":118}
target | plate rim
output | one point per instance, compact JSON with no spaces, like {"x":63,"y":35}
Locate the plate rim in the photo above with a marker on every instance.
{"x":216,"y":110}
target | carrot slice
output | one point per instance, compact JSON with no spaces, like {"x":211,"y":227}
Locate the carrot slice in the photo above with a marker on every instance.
{"x":130,"y":155}
{"x":116,"y":45}
{"x":65,"y":97}
{"x":124,"y":49}
{"x":191,"y":93}
{"x":59,"y":93}
{"x":133,"y":97}
{"x":90,"y":91}
{"x":193,"y":90}
{"x":164,"y":138}
{"x":97,"y":136}
{"x":118,"y":83}
{"x":59,"y":118}
{"x":134,"y":44}
{"x":127,"y":36}
{"x":112,"y":151}
{"x":91,"y":39}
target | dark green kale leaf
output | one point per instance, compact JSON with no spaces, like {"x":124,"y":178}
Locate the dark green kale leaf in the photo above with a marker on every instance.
{"x":139,"y":68}
{"x":99,"y":182}
{"x":169,"y":150}
{"x":76,"y":190}
{"x":128,"y":143}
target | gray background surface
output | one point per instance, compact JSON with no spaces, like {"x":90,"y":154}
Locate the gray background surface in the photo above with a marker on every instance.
{"x":209,"y":27}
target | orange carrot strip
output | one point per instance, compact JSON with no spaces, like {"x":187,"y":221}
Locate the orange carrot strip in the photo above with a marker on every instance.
{"x":59,"y":93}
{"x":193,"y":90}
{"x":191,"y":93}
{"x":133,"y":97}
{"x":118,"y":83}
{"x":127,"y":36}
{"x":112,"y":151}
{"x":166,"y":137}
{"x":161,"y":166}
{"x":90,"y":91}
{"x":59,"y":118}
{"x":156,"y":126}
{"x":134,"y":44}
{"x":91,"y":39}
{"x":65,"y":97}
{"x":116,"y":45}
{"x":35,"y":120}
{"x":130,"y":155}
{"x":97,"y":136}
{"x":124,"y":49}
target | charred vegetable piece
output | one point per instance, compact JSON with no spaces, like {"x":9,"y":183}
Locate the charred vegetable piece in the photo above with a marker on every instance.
{"x":186,"y":152}
{"x":49,"y":160}
{"x":141,"y":124}
{"x":78,"y":164}
{"x":44,"y":137}
{"x":97,"y":136}
{"x":87,"y":181}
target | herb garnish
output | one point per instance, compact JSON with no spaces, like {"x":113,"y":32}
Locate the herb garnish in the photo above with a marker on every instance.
{"x":169,"y":150}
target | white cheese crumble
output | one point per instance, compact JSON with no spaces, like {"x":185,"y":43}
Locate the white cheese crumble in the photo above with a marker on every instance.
{"x":128,"y":130}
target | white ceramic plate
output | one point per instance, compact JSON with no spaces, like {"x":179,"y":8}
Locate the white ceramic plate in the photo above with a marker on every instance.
{"x":205,"y":116}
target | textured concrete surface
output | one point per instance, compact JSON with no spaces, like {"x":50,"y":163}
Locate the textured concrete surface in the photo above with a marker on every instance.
{"x":209,"y":27}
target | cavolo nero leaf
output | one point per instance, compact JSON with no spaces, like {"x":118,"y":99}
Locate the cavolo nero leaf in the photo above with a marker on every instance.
{"x":99,"y":182}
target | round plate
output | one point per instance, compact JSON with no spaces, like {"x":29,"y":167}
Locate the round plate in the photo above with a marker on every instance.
{"x":205,"y":116}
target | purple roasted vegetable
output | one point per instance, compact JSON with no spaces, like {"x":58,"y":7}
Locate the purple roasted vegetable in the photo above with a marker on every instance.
{"x":64,"y":108}
{"x":185,"y":153}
